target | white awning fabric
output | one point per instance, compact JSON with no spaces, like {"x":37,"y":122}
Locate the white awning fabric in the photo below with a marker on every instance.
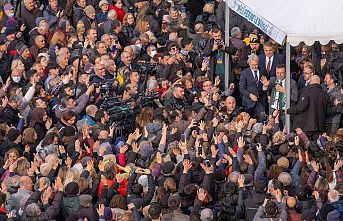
{"x":299,"y":20}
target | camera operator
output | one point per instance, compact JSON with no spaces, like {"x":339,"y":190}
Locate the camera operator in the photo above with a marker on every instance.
{"x":215,"y":49}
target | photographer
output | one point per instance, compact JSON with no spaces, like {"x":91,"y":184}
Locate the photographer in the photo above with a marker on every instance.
{"x":215,"y":49}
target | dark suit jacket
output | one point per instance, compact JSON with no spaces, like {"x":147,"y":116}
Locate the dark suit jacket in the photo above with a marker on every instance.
{"x":278,"y":59}
{"x":248,"y":85}
{"x":311,"y":108}
{"x":294,"y":91}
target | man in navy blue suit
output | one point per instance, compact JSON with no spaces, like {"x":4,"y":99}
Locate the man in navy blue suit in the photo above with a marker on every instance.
{"x":254,"y":100}
{"x":269,"y":60}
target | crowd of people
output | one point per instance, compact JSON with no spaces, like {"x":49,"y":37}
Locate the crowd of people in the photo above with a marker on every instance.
{"x":119,"y":110}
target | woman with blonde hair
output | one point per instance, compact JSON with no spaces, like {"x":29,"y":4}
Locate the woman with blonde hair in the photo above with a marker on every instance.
{"x":142,"y":27}
{"x":128,"y":25}
{"x":18,"y":65}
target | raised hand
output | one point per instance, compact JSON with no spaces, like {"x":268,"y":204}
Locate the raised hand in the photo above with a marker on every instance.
{"x":240,"y":181}
{"x":187,"y":165}
{"x":240,"y":142}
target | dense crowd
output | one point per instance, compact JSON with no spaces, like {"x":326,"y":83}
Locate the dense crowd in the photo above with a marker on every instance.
{"x":119,"y":110}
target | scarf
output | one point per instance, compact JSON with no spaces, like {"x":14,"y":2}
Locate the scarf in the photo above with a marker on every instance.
{"x":278,"y":98}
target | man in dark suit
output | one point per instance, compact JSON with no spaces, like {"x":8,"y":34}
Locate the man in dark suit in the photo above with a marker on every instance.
{"x":269,"y":60}
{"x":276,"y":90}
{"x":250,"y":86}
{"x":311,"y":109}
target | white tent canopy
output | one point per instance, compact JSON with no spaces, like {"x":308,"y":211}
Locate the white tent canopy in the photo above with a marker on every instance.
{"x":300,"y":20}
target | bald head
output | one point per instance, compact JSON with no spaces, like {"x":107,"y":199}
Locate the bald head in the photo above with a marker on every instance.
{"x":291,"y":202}
{"x":315,"y":79}
{"x":25,"y":182}
{"x":103,"y":134}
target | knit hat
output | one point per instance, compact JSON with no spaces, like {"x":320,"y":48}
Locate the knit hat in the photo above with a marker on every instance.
{"x":168,"y":167}
{"x":22,"y":48}
{"x":13,"y":134}
{"x":8,"y":6}
{"x":39,"y":19}
{"x":85,"y":200}
{"x":138,"y":203}
{"x":283,"y":162}
{"x":103,"y":2}
{"x":72,"y":189}
{"x":10,"y":30}
{"x":145,"y":150}
{"x":174,"y":201}
{"x":89,"y":10}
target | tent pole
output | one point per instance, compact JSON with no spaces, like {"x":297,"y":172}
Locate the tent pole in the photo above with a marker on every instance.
{"x":288,"y":84}
{"x":227,"y":41}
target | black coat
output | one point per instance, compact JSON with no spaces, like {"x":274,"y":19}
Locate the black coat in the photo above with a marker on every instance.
{"x":311,"y":108}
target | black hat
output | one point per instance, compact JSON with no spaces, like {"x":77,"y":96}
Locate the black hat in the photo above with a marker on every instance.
{"x":10,"y":30}
{"x":21,"y":48}
{"x":85,"y":200}
{"x":168,"y":167}
{"x":138,"y":203}
{"x":69,"y":131}
{"x":13,"y":134}
{"x":72,"y":189}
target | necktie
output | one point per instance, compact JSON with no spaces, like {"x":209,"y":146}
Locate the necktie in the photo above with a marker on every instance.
{"x":268,"y":65}
{"x":256,"y":76}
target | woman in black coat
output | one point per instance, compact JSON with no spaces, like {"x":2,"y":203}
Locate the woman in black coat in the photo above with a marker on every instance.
{"x":40,"y":122}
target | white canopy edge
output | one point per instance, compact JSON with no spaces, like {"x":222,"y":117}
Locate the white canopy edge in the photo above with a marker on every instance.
{"x":299,"y":20}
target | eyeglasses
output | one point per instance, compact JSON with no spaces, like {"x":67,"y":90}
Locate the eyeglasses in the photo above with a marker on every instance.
{"x":174,"y":48}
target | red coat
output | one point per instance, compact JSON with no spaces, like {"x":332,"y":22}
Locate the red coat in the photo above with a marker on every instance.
{"x":120,"y":12}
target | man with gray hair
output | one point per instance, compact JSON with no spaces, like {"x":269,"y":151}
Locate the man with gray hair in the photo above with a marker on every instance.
{"x":237,"y":42}
{"x":24,"y":191}
{"x":206,"y":215}
{"x":254,"y":100}
{"x":105,"y":28}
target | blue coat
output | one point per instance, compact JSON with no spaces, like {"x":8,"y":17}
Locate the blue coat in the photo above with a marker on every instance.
{"x":277,"y":59}
{"x":248,"y":85}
